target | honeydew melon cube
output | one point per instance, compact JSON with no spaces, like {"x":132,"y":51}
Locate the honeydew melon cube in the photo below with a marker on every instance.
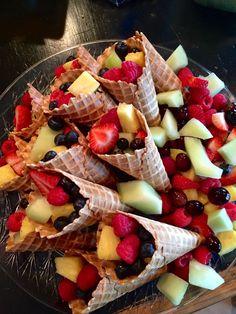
{"x":228,"y":241}
{"x":159,"y":135}
{"x":227,"y":151}
{"x":178,"y":59}
{"x":172,"y":98}
{"x":219,"y":221}
{"x":128,"y":118}
{"x":140,"y":195}
{"x":113,"y":60}
{"x":215,"y":85}
{"x":195,"y":128}
{"x":169,"y":123}
{"x":173,"y":287}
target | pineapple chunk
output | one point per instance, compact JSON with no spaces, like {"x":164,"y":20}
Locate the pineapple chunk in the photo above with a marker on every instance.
{"x":209,"y":208}
{"x":68,"y":65}
{"x":232,"y":191}
{"x":26,"y":227}
{"x":59,"y":211}
{"x":84,"y":84}
{"x":107,"y":244}
{"x":191,"y":194}
{"x":6,"y":174}
{"x":137,"y":57}
{"x":190,"y":174}
{"x":227,"y":240}
{"x":128,"y":118}
{"x":69,"y":266}
{"x":174,"y":152}
{"x":59,"y":149}
{"x":202,"y":197}
{"x":39,"y":210}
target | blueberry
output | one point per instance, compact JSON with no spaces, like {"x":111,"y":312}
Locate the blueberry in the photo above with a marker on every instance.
{"x":64,"y":87}
{"x":138,"y":267}
{"x":23,"y":203}
{"x":60,"y":139}
{"x":49,"y":155}
{"x":73,"y":216}
{"x":102,"y":71}
{"x":56,"y":123}
{"x":194,"y":208}
{"x":61,"y":222}
{"x":147,"y":249}
{"x":213,"y":244}
{"x":137,"y":143}
{"x":72,"y":137}
{"x":74,"y":192}
{"x":122,"y":143}
{"x":230,"y":116}
{"x":66,"y":184}
{"x":143,"y":234}
{"x":80,"y":294}
{"x":123,"y":270}
{"x":218,"y":196}
{"x":70,"y":58}
{"x":53,"y":104}
{"x":121,"y":49}
{"x":226,"y":169}
{"x":79,"y":203}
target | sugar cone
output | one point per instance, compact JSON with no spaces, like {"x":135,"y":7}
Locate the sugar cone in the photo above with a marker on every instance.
{"x":100,"y":200}
{"x":163,"y":76}
{"x":142,"y":95}
{"x":83,"y":109}
{"x":143,"y":164}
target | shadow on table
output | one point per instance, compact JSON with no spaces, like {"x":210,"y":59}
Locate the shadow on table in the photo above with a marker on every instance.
{"x":32,"y":20}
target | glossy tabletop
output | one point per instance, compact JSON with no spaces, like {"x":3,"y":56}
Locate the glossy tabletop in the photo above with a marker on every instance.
{"x":31,"y":30}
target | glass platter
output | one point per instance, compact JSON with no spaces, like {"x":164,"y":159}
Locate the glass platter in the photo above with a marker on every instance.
{"x":34,"y":272}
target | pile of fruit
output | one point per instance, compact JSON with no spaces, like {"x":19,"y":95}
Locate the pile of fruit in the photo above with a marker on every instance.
{"x":163,"y":143}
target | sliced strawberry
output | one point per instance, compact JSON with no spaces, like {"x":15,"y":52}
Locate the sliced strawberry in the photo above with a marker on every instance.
{"x":141,"y":134}
{"x":202,"y":254}
{"x":103,"y":138}
{"x":231,"y":210}
{"x":199,"y":224}
{"x":213,"y":145}
{"x":230,"y":178}
{"x":218,"y":119}
{"x":209,"y":183}
{"x":181,"y":272}
{"x":184,"y":260}
{"x":8,"y":146}
{"x":232,"y":135}
{"x":16,"y":163}
{"x":180,"y":182}
{"x":44,"y":182}
{"x":216,"y":132}
{"x":111,"y":117}
{"x":23,"y":117}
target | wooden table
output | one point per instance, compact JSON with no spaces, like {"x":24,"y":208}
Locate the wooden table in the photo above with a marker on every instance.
{"x":31,"y":30}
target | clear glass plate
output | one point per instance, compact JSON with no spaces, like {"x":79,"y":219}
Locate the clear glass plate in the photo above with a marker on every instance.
{"x":34,"y":272}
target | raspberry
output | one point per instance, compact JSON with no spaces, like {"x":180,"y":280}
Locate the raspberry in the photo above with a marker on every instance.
{"x":131,"y":71}
{"x":207,"y":184}
{"x":199,"y":224}
{"x":197,"y":94}
{"x":128,"y":248}
{"x":208,"y":116}
{"x":202,"y":254}
{"x":64,"y":100}
{"x":169,"y":165}
{"x":184,"y":260}
{"x":57,"y":196}
{"x":182,"y":183}
{"x":206,"y":103}
{"x":8,"y":146}
{"x":198,"y":82}
{"x":67,"y":289}
{"x":179,"y":218}
{"x":75,"y":64}
{"x":141,"y":134}
{"x":123,"y":225}
{"x":2,"y":161}
{"x":59,"y":70}
{"x":113,"y":74}
{"x":14,"y":221}
{"x":166,"y":204}
{"x":196,"y":111}
{"x":231,"y":210}
{"x":111,"y":116}
{"x":219,"y":102}
{"x":88,"y":277}
{"x":181,"y":272}
{"x":56,"y":95}
{"x":185,"y":75}
{"x":26,"y":99}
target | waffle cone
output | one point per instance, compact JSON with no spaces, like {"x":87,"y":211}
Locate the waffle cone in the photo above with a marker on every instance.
{"x":143,"y":164}
{"x":33,"y":242}
{"x":83,"y":109}
{"x":142,"y":95}
{"x":87,"y":61}
{"x":100,"y":200}
{"x":163,"y":76}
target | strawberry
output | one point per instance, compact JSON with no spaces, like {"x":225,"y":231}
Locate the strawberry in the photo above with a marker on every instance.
{"x":202,"y":254}
{"x":181,"y":272}
{"x":184,"y":260}
{"x":229,"y":178}
{"x":16,"y":163}
{"x":219,"y":102}
{"x":23,"y":117}
{"x":103,"y":138}
{"x":199,"y":224}
{"x":197,"y":94}
{"x":64,"y":100}
{"x":59,"y":70}
{"x":2,"y":161}
{"x":213,"y":145}
{"x":113,"y":74}
{"x":196,"y":111}
{"x":123,"y":225}
{"x":67,"y":290}
{"x":232,"y":135}
{"x":26,"y":100}
{"x":216,"y":132}
{"x":231,"y":210}
{"x":207,"y":184}
{"x":170,"y":165}
{"x":128,"y":248}
{"x":208,"y":117}
{"x":218,"y":119}
{"x":180,"y":182}
{"x":8,"y":146}
{"x":14,"y":221}
{"x":88,"y":277}
{"x":166,"y":204}
{"x":179,"y":218}
{"x":131,"y":71}
{"x":141,"y":134}
{"x":44,"y":182}
{"x":57,"y":196}
{"x":111,"y":117}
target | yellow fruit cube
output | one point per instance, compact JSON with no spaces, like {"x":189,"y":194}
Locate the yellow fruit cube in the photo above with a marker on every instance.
{"x":84,"y":84}
{"x":26,"y":227}
{"x":209,"y":208}
{"x":69,"y":266}
{"x":128,"y":118}
{"x":232,"y":191}
{"x":234,"y":225}
{"x":68,"y":65}
{"x":62,"y":211}
{"x":191,"y":194}
{"x":174,"y":152}
{"x":6,"y":174}
{"x":202,"y":197}
{"x":227,"y":240}
{"x":59,"y":149}
{"x":107,"y":244}
{"x":137,"y":57}
{"x":190,"y":174}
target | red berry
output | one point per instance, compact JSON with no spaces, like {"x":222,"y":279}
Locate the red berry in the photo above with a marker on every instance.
{"x":8,"y":146}
{"x":198,"y":82}
{"x":124,"y":225}
{"x":184,"y":260}
{"x":16,"y":163}
{"x":178,"y":197}
{"x":206,"y":103}
{"x":56,"y":95}
{"x":179,"y":218}
{"x":199,"y":224}
{"x":196,"y":111}
{"x":219,"y":102}
{"x":169,"y":165}
{"x":202,"y":254}
{"x":128,"y":248}
{"x":208,"y":117}
{"x":141,"y":134}
{"x":232,"y":135}
{"x":111,"y":117}
{"x":67,"y":129}
{"x":197,"y":94}
{"x":23,"y":117}
{"x":164,"y":151}
{"x":180,"y":182}
{"x":57,"y":196}
{"x":67,"y":290}
{"x":166,"y":204}
{"x":103,"y":138}
{"x":181,"y":272}
{"x":131,"y":71}
{"x":185,"y":74}
{"x":26,"y":100}
{"x":183,"y":162}
{"x":230,"y":178}
{"x":75,"y":64}
{"x":88,"y":278}
{"x":2,"y":161}
{"x":14,"y":221}
{"x":213,"y":145}
{"x":44,"y":182}
{"x":59,"y":70}
{"x":64,"y":100}
{"x":218,"y":119}
{"x":113,"y":74}
{"x":231,"y":210}
{"x":207,"y":184}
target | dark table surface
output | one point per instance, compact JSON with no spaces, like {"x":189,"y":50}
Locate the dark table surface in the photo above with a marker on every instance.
{"x":35,"y":29}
